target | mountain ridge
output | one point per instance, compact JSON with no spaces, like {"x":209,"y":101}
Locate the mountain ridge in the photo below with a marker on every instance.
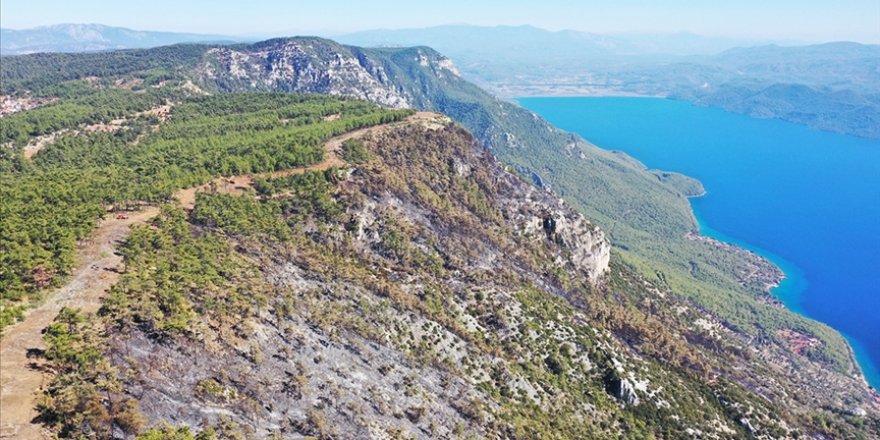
{"x":729,"y":338}
{"x":712,"y":71}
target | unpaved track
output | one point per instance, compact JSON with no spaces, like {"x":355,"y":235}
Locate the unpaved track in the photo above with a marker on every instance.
{"x":332,"y":150}
{"x":39,"y":143}
{"x":21,"y":378}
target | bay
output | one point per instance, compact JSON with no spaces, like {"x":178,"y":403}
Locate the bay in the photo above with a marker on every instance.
{"x":808,"y":200}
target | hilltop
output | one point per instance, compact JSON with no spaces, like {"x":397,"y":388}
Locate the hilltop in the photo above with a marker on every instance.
{"x":441,"y":279}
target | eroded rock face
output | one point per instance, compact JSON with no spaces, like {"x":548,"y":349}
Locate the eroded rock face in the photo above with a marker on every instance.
{"x":627,"y":393}
{"x":295,"y":68}
{"x":588,"y":250}
{"x":304,"y":65}
{"x":541,"y":216}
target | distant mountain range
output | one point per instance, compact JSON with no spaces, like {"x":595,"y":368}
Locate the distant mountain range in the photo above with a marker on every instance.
{"x":833,"y":86}
{"x":507,"y":52}
{"x":524,"y":42}
{"x":509,"y":42}
{"x":506,"y":55}
{"x":91,"y":37}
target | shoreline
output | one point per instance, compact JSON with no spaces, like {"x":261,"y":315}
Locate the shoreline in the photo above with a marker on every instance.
{"x":515,"y":92}
{"x":563,"y":94}
{"x":788,"y":291}
{"x":871,"y":374}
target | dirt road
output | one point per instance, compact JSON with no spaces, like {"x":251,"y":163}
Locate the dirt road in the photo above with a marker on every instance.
{"x":21,"y":378}
{"x":332,"y":158}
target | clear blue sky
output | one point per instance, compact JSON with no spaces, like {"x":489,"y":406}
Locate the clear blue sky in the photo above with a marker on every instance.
{"x":812,"y":20}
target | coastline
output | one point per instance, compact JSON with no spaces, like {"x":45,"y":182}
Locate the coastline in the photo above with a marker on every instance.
{"x":793,"y":281}
{"x":789,"y":289}
{"x":869,"y":372}
{"x":539,"y":90}
{"x":516,"y":91}
{"x":595,"y":94}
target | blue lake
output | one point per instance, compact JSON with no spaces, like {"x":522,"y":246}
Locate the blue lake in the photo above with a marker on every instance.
{"x":806,"y":199}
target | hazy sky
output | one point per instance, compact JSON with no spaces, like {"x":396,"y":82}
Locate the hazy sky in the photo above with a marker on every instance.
{"x":811,"y":20}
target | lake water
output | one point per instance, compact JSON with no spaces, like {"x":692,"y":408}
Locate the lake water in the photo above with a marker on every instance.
{"x":806,"y":199}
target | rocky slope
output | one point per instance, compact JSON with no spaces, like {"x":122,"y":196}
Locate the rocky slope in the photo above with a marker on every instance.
{"x":488,"y":294}
{"x":382,"y":330}
{"x":423,"y":292}
{"x":314,"y":65}
{"x":647,"y":215}
{"x":431,"y":295}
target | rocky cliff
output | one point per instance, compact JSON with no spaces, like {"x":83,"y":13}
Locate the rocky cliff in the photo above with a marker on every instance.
{"x":313,"y":65}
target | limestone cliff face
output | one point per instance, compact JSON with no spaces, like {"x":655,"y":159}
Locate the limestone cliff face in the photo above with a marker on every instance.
{"x":581,"y":244}
{"x":293,"y":68}
{"x":312,"y":65}
{"x":539,"y":216}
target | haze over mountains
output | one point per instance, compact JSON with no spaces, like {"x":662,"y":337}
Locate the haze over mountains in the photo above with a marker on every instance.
{"x":71,"y":37}
{"x":529,"y":42}
{"x":509,"y":41}
{"x":833,"y":86}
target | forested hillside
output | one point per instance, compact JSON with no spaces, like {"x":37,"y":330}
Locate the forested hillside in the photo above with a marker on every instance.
{"x":54,"y":199}
{"x":304,"y":306}
{"x":305,"y":303}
